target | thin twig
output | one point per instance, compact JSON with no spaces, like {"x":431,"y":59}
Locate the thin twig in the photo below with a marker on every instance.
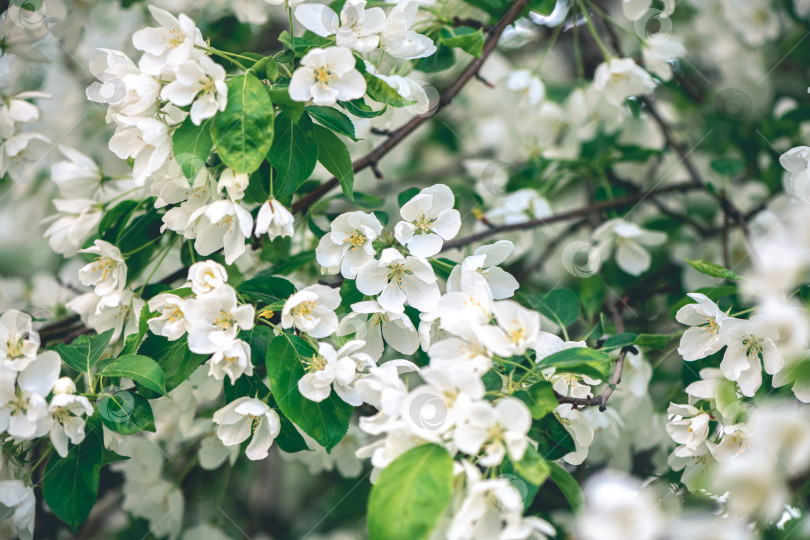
{"x":570,"y":214}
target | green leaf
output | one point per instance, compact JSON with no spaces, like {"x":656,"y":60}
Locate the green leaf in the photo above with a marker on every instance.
{"x":327,"y":421}
{"x":70,"y":483}
{"x":269,"y":289}
{"x":592,"y":295}
{"x":334,"y":155}
{"x":468,"y":39}
{"x":540,"y":399}
{"x":133,"y":341}
{"x":553,"y":440}
{"x":379,"y":90}
{"x":619,"y":341}
{"x":594,"y":364}
{"x":266,"y":68}
{"x":495,"y":8}
{"x":532,"y":467}
{"x":443,"y":58}
{"x":141,"y":369}
{"x":280,"y":95}
{"x":559,"y":305}
{"x":568,"y":485}
{"x":192,"y":145}
{"x":411,"y":495}
{"x":126,"y":413}
{"x":115,"y":218}
{"x":332,"y":119}
{"x":711,"y":269}
{"x":294,"y":154}
{"x":407,"y":195}
{"x":84,"y":352}
{"x":652,"y":341}
{"x":728,"y":166}
{"x":243,"y":132}
{"x":359,"y":108}
{"x":174,"y":358}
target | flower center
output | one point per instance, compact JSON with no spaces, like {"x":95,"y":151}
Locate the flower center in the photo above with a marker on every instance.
{"x":357,"y":239}
{"x":303,"y":309}
{"x":103,"y":265}
{"x":14,"y":347}
{"x":224,"y":320}
{"x":323,"y":75}
{"x":316,"y":363}
{"x":424,"y":223}
{"x":753,"y":347}
{"x":397,"y":273}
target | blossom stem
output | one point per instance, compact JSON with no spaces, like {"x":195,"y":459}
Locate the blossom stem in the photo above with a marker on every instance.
{"x":592,"y":28}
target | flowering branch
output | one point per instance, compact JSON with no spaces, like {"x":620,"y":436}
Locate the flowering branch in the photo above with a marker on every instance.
{"x":397,"y":136}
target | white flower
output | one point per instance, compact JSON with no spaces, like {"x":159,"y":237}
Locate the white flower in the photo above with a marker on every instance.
{"x":326,"y":76}
{"x":429,"y":220}
{"x":620,"y":78}
{"x":68,"y":424}
{"x":245,"y":416}
{"x":334,"y":369}
{"x":657,"y":55}
{"x":222,"y":224}
{"x":517,"y":330}
{"x":146,"y":140}
{"x":397,"y":38}
{"x":275,"y":220}
{"x":629,"y":240}
{"x":170,"y":322}
{"x":233,"y":183}
{"x":76,"y":221}
{"x":16,"y":110}
{"x":736,"y":439}
{"x":398,"y":279}
{"x":689,"y":427}
{"x":14,"y":494}
{"x":215,"y":319}
{"x":580,"y":429}
{"x":796,"y":163}
{"x":705,"y":319}
{"x":485,"y":261}
{"x":78,"y":177}
{"x":312,"y":310}
{"x":206,"y":276}
{"x":170,"y":44}
{"x":358,"y":27}
{"x":121,"y":85}
{"x":23,"y":410}
{"x":750,"y":344}
{"x":100,"y":317}
{"x":20,"y":154}
{"x":616,"y":506}
{"x":64,"y":385}
{"x":108,"y":273}
{"x":19,"y":343}
{"x":529,"y":86}
{"x":395,"y":328}
{"x":201,"y":84}
{"x":232,"y":361}
{"x":498,"y":430}
{"x":348,"y":245}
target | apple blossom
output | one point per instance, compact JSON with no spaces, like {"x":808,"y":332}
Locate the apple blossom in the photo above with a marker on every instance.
{"x":398,"y":279}
{"x":429,"y":218}
{"x":348,"y":245}
{"x":312,"y":310}
{"x":274,"y":220}
{"x":327,"y":75}
{"x":240,"y":419}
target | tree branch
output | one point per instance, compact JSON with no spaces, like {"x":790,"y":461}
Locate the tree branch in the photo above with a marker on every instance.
{"x":602,"y":399}
{"x":398,"y":135}
{"x":570,"y":214}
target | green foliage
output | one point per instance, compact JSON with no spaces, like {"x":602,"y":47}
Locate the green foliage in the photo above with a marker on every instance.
{"x":470,"y":40}
{"x":84,"y":352}
{"x":416,"y":488}
{"x":532,"y":467}
{"x":594,"y":364}
{"x":334,"y":156}
{"x":711,"y":269}
{"x":141,"y":369}
{"x":267,"y":289}
{"x":176,"y":361}
{"x":568,"y":485}
{"x":294,"y":154}
{"x":540,"y":399}
{"x":332,"y":119}
{"x":243,"y":132}
{"x":327,"y":421}
{"x":126,"y":413}
{"x":559,"y":305}
{"x":70,"y":483}
{"x":191,"y":146}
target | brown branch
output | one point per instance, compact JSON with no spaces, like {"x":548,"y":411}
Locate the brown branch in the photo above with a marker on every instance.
{"x":602,"y":399}
{"x":398,"y":135}
{"x":570,"y":214}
